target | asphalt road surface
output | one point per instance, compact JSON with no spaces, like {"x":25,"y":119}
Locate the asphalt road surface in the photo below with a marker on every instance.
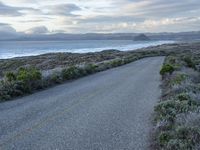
{"x":110,"y":110}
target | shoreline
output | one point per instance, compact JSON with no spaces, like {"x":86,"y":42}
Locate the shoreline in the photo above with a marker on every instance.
{"x":35,"y":48}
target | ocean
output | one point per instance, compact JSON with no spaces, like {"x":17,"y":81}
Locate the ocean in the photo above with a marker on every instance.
{"x":11,"y":49}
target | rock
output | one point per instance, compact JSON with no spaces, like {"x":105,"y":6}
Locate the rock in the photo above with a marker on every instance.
{"x":141,"y":37}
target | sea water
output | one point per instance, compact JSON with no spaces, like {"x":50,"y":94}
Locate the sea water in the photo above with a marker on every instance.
{"x":11,"y":49}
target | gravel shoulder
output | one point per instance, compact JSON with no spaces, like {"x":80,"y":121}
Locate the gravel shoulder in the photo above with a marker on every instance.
{"x":107,"y":110}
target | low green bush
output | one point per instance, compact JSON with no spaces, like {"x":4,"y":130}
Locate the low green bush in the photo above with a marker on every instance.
{"x":28,"y":74}
{"x":177,"y":144}
{"x":167,"y":68}
{"x":116,"y":63}
{"x":164,"y":137}
{"x":183,"y":97}
{"x":190,"y":133}
{"x":10,"y":76}
{"x":25,"y":80}
{"x":71,"y":73}
{"x":190,"y":63}
{"x":178,"y":79}
{"x":90,"y":68}
{"x":30,"y":77}
{"x":184,"y":138}
{"x":11,"y":89}
{"x":167,"y":110}
{"x":172,"y":60}
{"x":55,"y":78}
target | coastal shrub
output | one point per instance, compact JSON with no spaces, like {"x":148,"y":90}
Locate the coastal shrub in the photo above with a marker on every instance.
{"x":180,"y":138}
{"x":28,"y":75}
{"x":116,"y":63}
{"x":184,"y":138}
{"x":190,"y":63}
{"x":90,"y":68}
{"x":130,"y":59}
{"x":55,"y":78}
{"x":127,"y":60}
{"x":102,"y":66}
{"x":30,"y":78}
{"x":10,"y":76}
{"x":11,"y":89}
{"x":172,"y":60}
{"x":167,"y":110}
{"x":190,"y":133}
{"x":72,"y":72}
{"x":177,"y":128}
{"x":178,"y":79}
{"x":167,"y":68}
{"x":164,"y":137}
{"x":183,"y":97}
{"x":178,"y":144}
{"x":25,"y":80}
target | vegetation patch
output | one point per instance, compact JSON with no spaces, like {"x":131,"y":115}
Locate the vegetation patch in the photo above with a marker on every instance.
{"x":171,"y":134}
{"x":167,"y":69}
{"x":24,"y":81}
{"x":189,"y":62}
{"x":178,"y":79}
{"x":71,"y":73}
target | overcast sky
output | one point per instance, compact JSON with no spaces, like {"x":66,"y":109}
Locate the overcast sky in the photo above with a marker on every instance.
{"x":100,"y":16}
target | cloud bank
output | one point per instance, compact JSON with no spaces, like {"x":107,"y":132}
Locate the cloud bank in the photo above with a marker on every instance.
{"x":105,"y":16}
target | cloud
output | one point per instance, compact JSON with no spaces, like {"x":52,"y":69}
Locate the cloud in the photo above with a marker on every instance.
{"x":110,"y":19}
{"x":62,"y":9}
{"x":7,"y":32}
{"x":169,"y":24}
{"x":8,"y":10}
{"x":160,"y":8}
{"x":83,"y":16}
{"x":38,"y":30}
{"x":4,"y":27}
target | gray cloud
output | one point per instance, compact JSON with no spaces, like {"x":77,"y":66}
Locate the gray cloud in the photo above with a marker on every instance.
{"x":8,"y":10}
{"x":105,"y":15}
{"x":111,"y":19}
{"x":7,"y":32}
{"x":4,"y":27}
{"x":160,"y":8}
{"x":63,"y":9}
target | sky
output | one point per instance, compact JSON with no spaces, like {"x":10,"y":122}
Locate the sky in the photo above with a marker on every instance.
{"x":98,"y":16}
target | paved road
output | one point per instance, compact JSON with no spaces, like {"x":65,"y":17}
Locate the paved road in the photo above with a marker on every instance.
{"x":110,"y":110}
